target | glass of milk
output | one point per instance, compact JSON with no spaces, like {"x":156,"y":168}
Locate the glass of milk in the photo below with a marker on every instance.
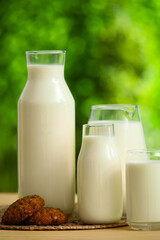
{"x":99,"y":176}
{"x":143,"y":189}
{"x":128,"y":131}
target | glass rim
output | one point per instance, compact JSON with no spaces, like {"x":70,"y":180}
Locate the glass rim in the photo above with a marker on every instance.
{"x":46,"y":52}
{"x":112,"y":106}
{"x":141,"y":151}
{"x":99,"y":125}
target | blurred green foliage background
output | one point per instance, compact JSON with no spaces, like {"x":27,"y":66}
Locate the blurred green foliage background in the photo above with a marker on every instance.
{"x":113,"y":51}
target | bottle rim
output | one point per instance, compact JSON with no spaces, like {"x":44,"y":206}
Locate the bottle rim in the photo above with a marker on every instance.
{"x":46,"y":52}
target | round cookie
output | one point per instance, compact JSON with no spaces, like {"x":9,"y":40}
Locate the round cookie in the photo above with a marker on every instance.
{"x":47,"y":216}
{"x":22,"y":209}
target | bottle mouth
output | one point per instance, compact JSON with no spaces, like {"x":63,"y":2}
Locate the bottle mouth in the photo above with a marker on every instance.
{"x":49,"y":57}
{"x":46,"y":52}
{"x":98,"y":129}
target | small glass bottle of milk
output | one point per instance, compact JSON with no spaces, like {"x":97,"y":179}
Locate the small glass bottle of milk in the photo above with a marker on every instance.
{"x":46,"y":132}
{"x":99,"y":181}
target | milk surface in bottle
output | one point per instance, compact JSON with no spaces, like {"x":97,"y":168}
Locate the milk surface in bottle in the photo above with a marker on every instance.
{"x":46,"y":132}
{"x":128,"y":131}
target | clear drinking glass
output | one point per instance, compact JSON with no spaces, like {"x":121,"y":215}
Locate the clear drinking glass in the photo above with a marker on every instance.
{"x":128,"y":130}
{"x":142,"y":189}
{"x":99,"y":176}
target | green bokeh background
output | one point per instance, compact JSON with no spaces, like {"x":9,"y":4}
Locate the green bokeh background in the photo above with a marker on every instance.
{"x":113,"y":56}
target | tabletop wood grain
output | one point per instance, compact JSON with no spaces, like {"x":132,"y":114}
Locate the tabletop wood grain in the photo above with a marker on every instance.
{"x":120,"y":233}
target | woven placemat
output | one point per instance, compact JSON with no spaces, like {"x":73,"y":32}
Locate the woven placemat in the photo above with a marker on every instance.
{"x":73,"y":224}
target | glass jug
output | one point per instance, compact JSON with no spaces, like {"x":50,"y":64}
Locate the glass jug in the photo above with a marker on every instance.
{"x":128,"y":131}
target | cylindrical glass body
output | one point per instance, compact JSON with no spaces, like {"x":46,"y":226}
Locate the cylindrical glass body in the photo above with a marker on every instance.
{"x":46,"y":132}
{"x":142,"y":189}
{"x":99,"y":176}
{"x":127,"y":127}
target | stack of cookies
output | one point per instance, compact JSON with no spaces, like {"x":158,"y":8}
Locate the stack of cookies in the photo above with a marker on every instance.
{"x":30,"y":210}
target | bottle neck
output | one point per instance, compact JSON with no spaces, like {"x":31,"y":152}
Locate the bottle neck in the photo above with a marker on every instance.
{"x":98,"y":130}
{"x":45,"y":72}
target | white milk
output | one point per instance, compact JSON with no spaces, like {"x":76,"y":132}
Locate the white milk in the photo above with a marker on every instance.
{"x":143,"y":191}
{"x":129,"y":135}
{"x":46,"y":137}
{"x":99,"y":181}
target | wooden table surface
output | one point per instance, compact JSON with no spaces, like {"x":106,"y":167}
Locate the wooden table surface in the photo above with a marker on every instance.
{"x":124,"y":233}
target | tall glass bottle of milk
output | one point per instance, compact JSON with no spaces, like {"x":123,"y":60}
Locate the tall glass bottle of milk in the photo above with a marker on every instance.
{"x":128,"y":131}
{"x":46,"y":132}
